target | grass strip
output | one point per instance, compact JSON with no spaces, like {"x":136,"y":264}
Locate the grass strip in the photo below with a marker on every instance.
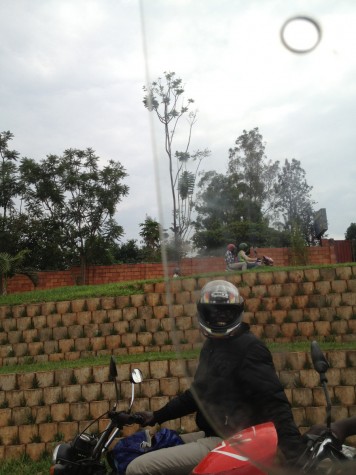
{"x":75,"y":292}
{"x":31,"y":367}
{"x":126,"y":288}
{"x":25,"y":466}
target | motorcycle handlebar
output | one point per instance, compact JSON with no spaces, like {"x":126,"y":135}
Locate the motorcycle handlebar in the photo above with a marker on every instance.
{"x":137,"y":419}
{"x":124,"y":418}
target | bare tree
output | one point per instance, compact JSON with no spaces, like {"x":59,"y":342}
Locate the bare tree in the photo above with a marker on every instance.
{"x":165,"y":97}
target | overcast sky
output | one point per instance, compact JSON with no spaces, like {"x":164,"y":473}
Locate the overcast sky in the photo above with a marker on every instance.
{"x":72,"y":73}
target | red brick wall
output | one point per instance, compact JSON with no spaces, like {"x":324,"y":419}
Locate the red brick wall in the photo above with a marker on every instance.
{"x":189,"y":266}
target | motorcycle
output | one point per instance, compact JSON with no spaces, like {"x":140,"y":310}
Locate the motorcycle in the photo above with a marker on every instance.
{"x":251,"y":451}
{"x":85,"y":454}
{"x":325,"y":453}
{"x":264,"y":260}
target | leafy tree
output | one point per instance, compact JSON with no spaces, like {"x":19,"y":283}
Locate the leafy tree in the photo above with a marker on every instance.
{"x":11,"y":232}
{"x":235,"y":206}
{"x":253,"y":174}
{"x":20,"y":231}
{"x":76,"y":199}
{"x":298,"y":251}
{"x":165,"y":98}
{"x":9,"y":188}
{"x":47,"y":241}
{"x":351,"y":235}
{"x":294,"y":199}
{"x":151,"y":239}
{"x":12,"y":265}
{"x":351,"y":232}
{"x":128,"y":252}
{"x":216,"y":210}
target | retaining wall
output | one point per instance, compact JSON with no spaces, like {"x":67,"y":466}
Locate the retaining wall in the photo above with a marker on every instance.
{"x":39,"y":408}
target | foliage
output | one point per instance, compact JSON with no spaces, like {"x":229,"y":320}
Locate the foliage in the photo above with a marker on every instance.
{"x":75,"y":201}
{"x":9,"y":187}
{"x":12,"y":265}
{"x":253,"y":175}
{"x":25,"y":466}
{"x":294,"y":199}
{"x":213,"y":240}
{"x":351,"y":235}
{"x":65,"y":208}
{"x":164,"y":97}
{"x":236,"y":206}
{"x":128,"y":252}
{"x":298,"y":251}
{"x":41,"y":236}
{"x":11,"y":232}
{"x":151,"y":239}
{"x":247,"y":203}
{"x":351,"y":231}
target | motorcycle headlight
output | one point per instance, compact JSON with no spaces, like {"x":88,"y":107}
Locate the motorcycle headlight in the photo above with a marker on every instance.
{"x":84,"y":444}
{"x":55,"y":454}
{"x":62,"y":452}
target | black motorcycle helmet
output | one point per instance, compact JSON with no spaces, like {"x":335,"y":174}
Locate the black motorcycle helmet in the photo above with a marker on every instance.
{"x":220,"y":309}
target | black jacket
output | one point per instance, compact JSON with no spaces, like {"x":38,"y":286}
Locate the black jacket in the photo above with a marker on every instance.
{"x":236,"y":386}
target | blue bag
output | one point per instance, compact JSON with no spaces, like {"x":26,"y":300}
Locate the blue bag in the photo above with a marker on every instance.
{"x":140,"y":443}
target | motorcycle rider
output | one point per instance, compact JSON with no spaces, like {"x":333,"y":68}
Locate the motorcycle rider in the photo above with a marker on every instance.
{"x":235,"y":386}
{"x":231,"y":264}
{"x":242,"y":257}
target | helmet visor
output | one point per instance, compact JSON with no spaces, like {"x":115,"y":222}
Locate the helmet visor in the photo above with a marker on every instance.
{"x":220,"y":315}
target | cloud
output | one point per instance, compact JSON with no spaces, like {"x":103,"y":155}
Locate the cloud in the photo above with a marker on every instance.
{"x":73,"y":71}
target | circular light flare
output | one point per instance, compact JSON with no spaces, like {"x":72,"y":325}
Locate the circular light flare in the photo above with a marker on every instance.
{"x":301,"y":34}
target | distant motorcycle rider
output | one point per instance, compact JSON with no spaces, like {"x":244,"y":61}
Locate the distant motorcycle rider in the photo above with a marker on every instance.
{"x":231,"y":263}
{"x":235,"y":386}
{"x":242,"y":257}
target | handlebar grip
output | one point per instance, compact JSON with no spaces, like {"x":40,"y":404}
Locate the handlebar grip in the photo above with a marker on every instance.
{"x":137,"y":418}
{"x":124,"y":418}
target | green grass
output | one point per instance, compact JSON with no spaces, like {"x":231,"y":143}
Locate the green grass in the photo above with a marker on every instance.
{"x":305,"y":346}
{"x":25,"y":466}
{"x":97,"y":361}
{"x":300,"y":346}
{"x":75,"y":292}
{"x":125,"y":288}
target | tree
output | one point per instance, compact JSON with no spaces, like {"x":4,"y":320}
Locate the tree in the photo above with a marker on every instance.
{"x":216,"y":210}
{"x":128,"y":252}
{"x":254,"y":174}
{"x":351,"y":232}
{"x":46,"y":240}
{"x":294,"y":199}
{"x":151,"y":239}
{"x":351,"y":235}
{"x":12,"y":265}
{"x":236,"y":206}
{"x":12,"y":222}
{"x":9,"y":187}
{"x":298,"y":249}
{"x":75,"y":199}
{"x":165,"y":98}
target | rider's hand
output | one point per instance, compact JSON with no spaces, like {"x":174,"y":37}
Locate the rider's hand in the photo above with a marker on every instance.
{"x":124,"y":418}
{"x":147,"y":418}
